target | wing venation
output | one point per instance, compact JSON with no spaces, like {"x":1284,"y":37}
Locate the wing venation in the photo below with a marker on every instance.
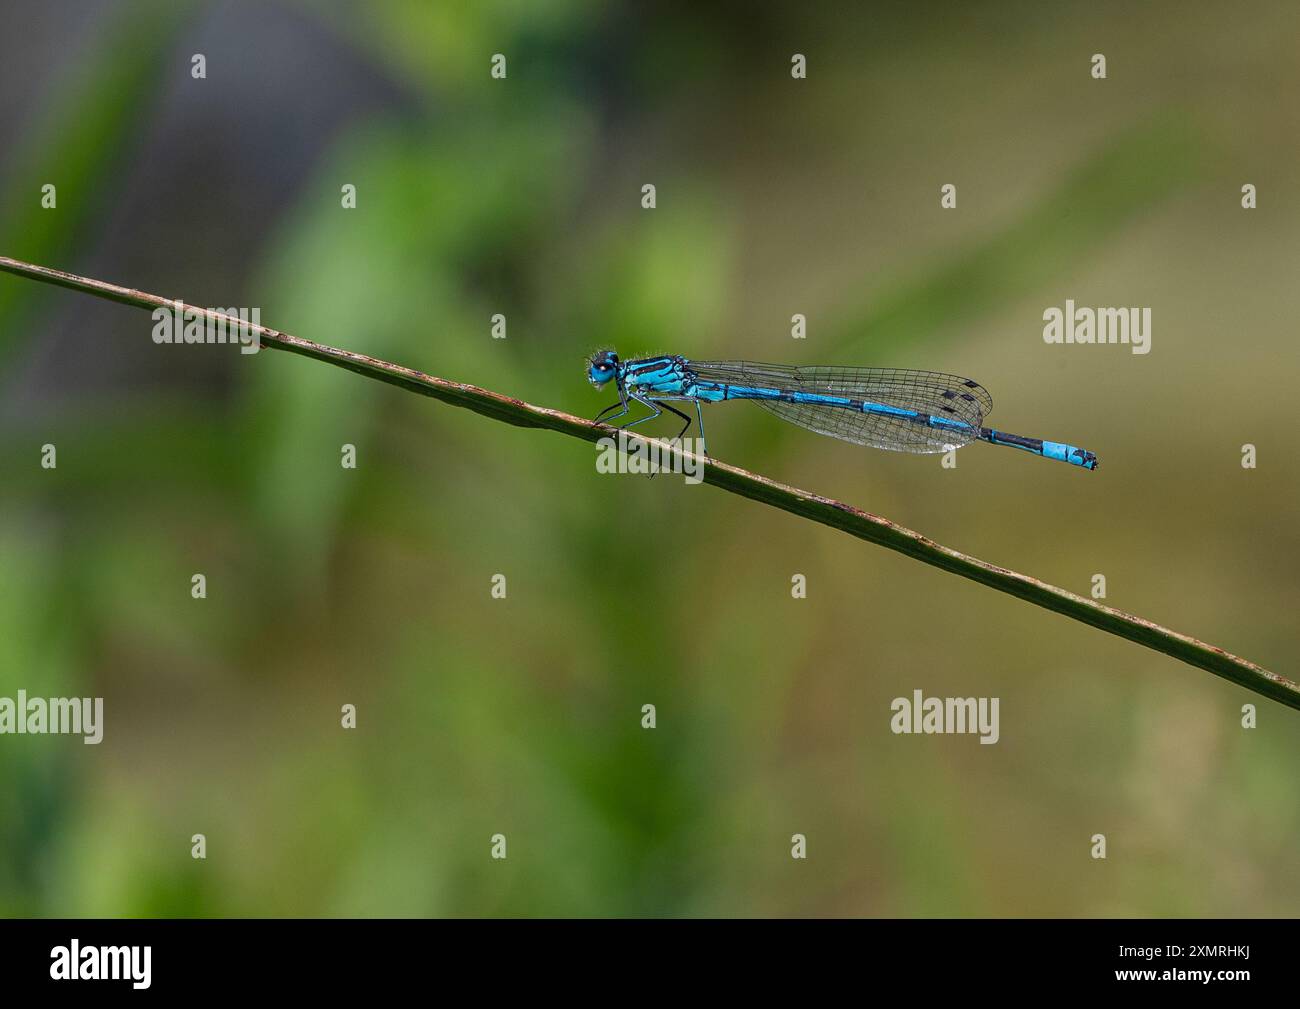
{"x":933,"y":394}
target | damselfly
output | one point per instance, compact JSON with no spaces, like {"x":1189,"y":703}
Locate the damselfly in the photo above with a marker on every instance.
{"x":890,"y":408}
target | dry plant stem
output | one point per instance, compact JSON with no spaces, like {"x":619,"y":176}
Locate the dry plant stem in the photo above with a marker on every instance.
{"x":836,"y":514}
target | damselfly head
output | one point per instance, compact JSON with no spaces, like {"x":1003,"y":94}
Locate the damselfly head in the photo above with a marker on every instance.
{"x":602,"y":366}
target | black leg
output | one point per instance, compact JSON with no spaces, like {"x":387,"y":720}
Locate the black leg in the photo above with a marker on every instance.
{"x":612,"y":406}
{"x":622,"y":402}
{"x":673,"y":409}
{"x":700,"y":417}
{"x":654,"y":412}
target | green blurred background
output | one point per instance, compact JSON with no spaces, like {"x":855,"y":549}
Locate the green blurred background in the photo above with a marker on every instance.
{"x":522,"y":716}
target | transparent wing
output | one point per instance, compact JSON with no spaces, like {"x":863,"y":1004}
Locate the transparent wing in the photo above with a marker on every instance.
{"x":929,"y":393}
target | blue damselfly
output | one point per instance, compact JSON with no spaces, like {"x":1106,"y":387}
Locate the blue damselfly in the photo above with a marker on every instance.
{"x":890,"y":408}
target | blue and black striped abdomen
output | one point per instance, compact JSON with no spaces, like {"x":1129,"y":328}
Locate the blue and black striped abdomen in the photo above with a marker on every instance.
{"x":1047,"y":449}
